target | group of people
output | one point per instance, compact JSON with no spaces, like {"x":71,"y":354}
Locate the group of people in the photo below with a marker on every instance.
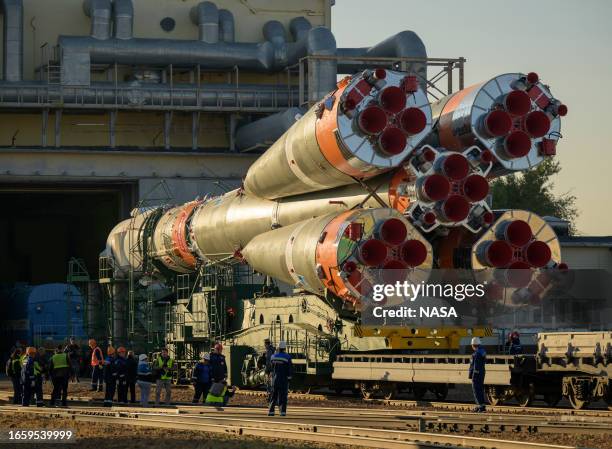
{"x":28,"y":370}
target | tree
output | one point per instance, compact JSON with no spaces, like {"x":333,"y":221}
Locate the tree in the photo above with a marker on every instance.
{"x":532,"y":190}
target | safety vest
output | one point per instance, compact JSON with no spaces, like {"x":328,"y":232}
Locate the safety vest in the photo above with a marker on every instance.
{"x":37,"y":368}
{"x":60,"y":361}
{"x":212,"y":399}
{"x":160,"y":364}
{"x":95,"y":361}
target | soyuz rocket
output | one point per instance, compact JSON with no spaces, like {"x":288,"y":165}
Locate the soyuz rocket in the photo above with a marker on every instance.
{"x":372,"y":179}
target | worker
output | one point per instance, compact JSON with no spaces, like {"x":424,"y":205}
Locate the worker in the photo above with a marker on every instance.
{"x":269,"y":352}
{"x":97,"y":366}
{"x":110,"y":377}
{"x":217,"y":363}
{"x":514,"y":343}
{"x":162,"y":369}
{"x":219,"y":394}
{"x":132,"y":375}
{"x":282,"y":370}
{"x":145,"y":379}
{"x":121,"y":370}
{"x":59,"y":370}
{"x":477,"y":373}
{"x":13,"y":371}
{"x":31,"y":378}
{"x":43,"y":359}
{"x":201,"y":378}
{"x":74,"y":354}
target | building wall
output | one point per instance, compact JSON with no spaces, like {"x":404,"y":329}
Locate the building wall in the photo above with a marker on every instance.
{"x":587,"y":257}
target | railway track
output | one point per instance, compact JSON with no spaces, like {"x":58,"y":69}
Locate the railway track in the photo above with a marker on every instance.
{"x":304,"y":424}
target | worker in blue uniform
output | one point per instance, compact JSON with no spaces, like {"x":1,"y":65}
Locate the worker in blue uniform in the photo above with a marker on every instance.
{"x":514,"y":343}
{"x":282,"y":370}
{"x":31,"y":378}
{"x":477,"y":373}
{"x":110,"y":377}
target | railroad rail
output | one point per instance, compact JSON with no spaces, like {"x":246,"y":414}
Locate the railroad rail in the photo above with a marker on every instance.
{"x":303,"y":425}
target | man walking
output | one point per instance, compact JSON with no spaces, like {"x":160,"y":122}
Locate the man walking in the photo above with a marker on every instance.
{"x":162,"y":369}
{"x":110,"y":377}
{"x":13,"y":371}
{"x":217,"y":363}
{"x":477,"y":373}
{"x":201,"y":377}
{"x":59,"y":370}
{"x":282,"y":370}
{"x":132,"y":375}
{"x":74,"y":355}
{"x":31,"y":379}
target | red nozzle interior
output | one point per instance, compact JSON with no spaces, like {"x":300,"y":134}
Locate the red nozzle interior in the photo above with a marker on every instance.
{"x":392,"y":141}
{"x":518,"y":233}
{"x":373,"y":252}
{"x":533,"y":77}
{"x":372,"y":120}
{"x":538,"y":254}
{"x":349,"y":266}
{"x":380,"y":74}
{"x":429,"y":218}
{"x":563,"y":266}
{"x":498,"y":123}
{"x":413,"y":120}
{"x":517,"y":103}
{"x":393,"y":99}
{"x":455,"y":166}
{"x":414,"y":253}
{"x":394,"y":271}
{"x":517,"y":144}
{"x":536,"y":124}
{"x":562,"y":110}
{"x":393,"y":231}
{"x":488,"y":217}
{"x":428,"y":155}
{"x":486,"y":156}
{"x":435,"y":187}
{"x":476,"y":188}
{"x":498,"y":254}
{"x":456,"y":208}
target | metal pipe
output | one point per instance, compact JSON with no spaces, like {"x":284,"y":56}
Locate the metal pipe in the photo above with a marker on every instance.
{"x":299,"y":27}
{"x":13,"y":40}
{"x":406,"y":44}
{"x":226,"y":26}
{"x":99,"y":11}
{"x":206,"y":16}
{"x":123,"y":16}
{"x":264,"y":132}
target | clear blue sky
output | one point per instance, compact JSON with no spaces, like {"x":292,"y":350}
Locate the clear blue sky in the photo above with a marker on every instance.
{"x":568,"y":42}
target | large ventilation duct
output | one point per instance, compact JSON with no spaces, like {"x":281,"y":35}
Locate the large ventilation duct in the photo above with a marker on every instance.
{"x":406,"y":44}
{"x":226,"y":26}
{"x":123,"y":16}
{"x":264,"y":132}
{"x":13,"y":39}
{"x":206,"y":16}
{"x":99,"y":11}
{"x":299,"y":27}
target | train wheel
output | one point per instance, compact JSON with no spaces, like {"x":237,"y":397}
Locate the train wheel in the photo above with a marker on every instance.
{"x":389,"y":391}
{"x":366,"y":390}
{"x":552,"y":398}
{"x":440,"y":391}
{"x":494,"y":395}
{"x":524,"y":396}
{"x":577,"y":403}
{"x":419,"y":393}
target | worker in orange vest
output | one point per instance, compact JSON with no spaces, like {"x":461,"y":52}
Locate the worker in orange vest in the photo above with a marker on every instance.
{"x":97,"y":366}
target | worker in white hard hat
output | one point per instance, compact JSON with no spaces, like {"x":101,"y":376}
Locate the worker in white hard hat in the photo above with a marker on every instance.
{"x":282,"y":370}
{"x":477,"y":373}
{"x":201,"y":378}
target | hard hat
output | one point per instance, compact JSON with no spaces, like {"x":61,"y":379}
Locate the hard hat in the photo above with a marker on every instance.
{"x":110,"y":350}
{"x":121,"y":349}
{"x":142,"y":357}
{"x":206,"y":356}
{"x":31,"y":350}
{"x":219,"y":347}
{"x":92,"y":343}
{"x":282,"y":344}
{"x":476,"y":341}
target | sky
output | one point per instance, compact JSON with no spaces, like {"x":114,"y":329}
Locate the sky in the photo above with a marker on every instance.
{"x":567,"y":42}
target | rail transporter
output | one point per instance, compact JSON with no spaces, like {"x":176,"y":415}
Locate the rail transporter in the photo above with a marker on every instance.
{"x":377,"y":175}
